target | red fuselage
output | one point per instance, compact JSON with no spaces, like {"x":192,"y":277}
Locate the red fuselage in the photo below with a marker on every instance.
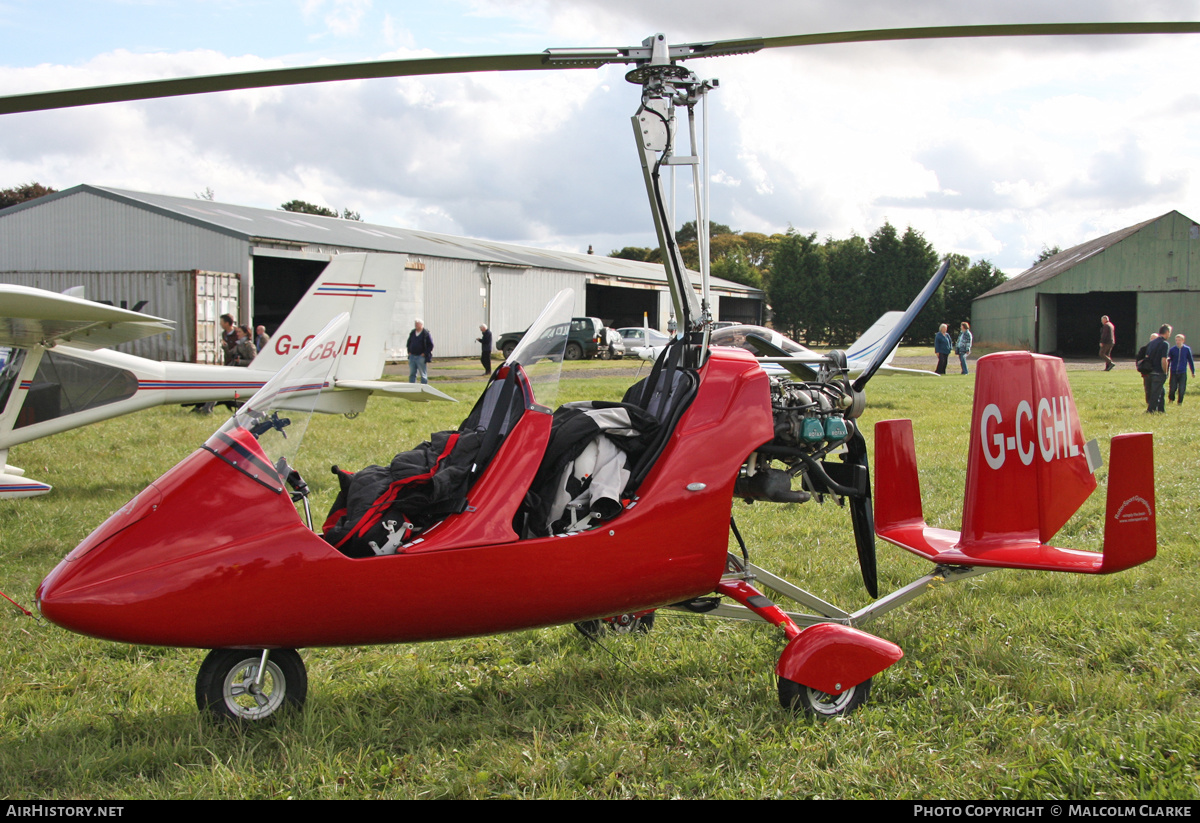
{"x":208,"y":557}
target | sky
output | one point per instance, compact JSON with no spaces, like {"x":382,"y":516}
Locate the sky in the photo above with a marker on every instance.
{"x":990,"y":148}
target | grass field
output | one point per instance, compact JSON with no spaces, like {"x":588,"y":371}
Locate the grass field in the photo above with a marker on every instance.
{"x":1014,"y":684}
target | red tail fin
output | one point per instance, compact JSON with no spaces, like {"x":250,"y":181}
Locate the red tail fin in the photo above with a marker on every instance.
{"x":1028,"y":471}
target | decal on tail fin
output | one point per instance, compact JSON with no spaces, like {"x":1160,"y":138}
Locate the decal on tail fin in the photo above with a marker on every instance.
{"x":364,"y":285}
{"x":1027,"y":465}
{"x":1028,"y":471}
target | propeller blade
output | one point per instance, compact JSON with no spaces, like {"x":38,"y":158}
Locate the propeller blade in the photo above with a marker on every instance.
{"x":862,"y":516}
{"x":901,"y":328}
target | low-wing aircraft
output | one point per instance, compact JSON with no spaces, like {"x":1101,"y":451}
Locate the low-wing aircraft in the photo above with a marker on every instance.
{"x":58,"y":373}
{"x":522,"y":500}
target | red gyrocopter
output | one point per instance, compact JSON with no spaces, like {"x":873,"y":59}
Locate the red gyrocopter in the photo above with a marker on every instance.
{"x":540,"y":518}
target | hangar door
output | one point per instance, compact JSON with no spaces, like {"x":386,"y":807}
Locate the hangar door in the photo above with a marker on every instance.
{"x":1077,"y":323}
{"x":279,"y":283}
{"x":619,"y":307}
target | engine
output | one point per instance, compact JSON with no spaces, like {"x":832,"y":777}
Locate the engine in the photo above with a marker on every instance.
{"x":812,"y":419}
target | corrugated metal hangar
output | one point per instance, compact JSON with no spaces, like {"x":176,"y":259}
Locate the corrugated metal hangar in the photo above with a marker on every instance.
{"x":98,"y":237}
{"x":1141,"y":277}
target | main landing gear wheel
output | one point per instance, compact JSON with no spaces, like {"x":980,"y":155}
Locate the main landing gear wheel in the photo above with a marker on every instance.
{"x":823,"y":706}
{"x":618,"y":624}
{"x":574,"y":352}
{"x":226,"y":684}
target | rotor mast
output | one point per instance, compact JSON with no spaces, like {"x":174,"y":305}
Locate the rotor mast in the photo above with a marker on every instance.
{"x":666,"y":87}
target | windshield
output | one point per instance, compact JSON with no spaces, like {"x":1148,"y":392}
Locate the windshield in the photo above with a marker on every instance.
{"x":540,"y":352}
{"x":278,"y":413}
{"x":743,"y":337}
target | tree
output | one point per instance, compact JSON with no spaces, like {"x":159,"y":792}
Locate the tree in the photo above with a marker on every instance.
{"x":734,"y":266}
{"x":918,"y":262}
{"x":799,"y":287}
{"x":846,"y":267}
{"x":687,"y":232}
{"x":963,"y":284}
{"x":23,"y":193}
{"x":207,"y":194}
{"x":302,"y":207}
{"x":639,"y":253}
{"x":1046,"y":254}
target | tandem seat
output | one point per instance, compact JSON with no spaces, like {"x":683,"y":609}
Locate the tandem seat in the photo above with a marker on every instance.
{"x":600,"y":452}
{"x":380,"y":507}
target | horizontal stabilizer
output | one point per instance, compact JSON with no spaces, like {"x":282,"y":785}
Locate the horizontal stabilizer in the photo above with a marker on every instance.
{"x":417,"y":392}
{"x":1129,"y":535}
{"x":14,"y":483}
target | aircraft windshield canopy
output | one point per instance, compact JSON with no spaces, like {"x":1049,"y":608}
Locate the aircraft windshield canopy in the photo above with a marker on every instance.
{"x":540,"y":352}
{"x":278,"y":413}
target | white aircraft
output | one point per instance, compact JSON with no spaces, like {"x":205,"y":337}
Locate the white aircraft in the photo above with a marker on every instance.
{"x":781,"y":355}
{"x":56,"y":372}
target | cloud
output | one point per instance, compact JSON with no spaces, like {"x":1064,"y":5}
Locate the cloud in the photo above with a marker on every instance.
{"x":989,"y":147}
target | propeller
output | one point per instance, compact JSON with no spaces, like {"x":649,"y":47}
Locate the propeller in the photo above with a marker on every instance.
{"x":901,"y":328}
{"x":861,"y":513}
{"x":549,"y":60}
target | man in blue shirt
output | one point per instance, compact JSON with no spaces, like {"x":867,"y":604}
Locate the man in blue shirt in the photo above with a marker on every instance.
{"x":1180,"y":360}
{"x":1156,"y":354}
{"x":420,"y":352}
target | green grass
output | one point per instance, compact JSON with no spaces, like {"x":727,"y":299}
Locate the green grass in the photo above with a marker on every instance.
{"x":1014,"y":685}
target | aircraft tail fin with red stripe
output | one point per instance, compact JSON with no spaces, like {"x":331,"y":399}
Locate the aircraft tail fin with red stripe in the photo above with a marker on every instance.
{"x":1028,"y":471}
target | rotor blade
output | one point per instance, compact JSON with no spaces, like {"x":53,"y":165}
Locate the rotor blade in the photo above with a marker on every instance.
{"x":182,"y":86}
{"x":901,"y":328}
{"x":752,"y":44}
{"x":549,"y":60}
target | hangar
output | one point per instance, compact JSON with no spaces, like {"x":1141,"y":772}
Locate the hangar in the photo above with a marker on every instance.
{"x":1141,"y":277}
{"x":259,"y":262}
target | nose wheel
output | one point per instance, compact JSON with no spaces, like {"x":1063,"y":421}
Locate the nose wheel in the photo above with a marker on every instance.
{"x":801,"y":698}
{"x":246,"y":685}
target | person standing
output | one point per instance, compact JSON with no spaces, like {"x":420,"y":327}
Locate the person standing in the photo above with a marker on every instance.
{"x":1156,"y":356}
{"x":420,"y":352}
{"x":261,"y":338}
{"x":1179,"y":358}
{"x":244,"y":351}
{"x":485,"y":348}
{"x":1108,"y":339}
{"x":963,"y":346}
{"x":228,"y":339}
{"x":941,"y":347}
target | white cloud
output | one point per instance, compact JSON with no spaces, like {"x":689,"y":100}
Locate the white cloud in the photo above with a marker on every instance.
{"x":989,"y":147}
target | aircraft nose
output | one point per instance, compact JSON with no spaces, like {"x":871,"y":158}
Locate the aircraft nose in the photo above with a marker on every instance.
{"x":80,"y":584}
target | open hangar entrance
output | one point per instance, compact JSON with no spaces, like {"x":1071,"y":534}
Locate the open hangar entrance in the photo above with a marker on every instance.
{"x":746,"y":310}
{"x":1076,"y":322}
{"x":279,"y":283}
{"x":619,"y":306}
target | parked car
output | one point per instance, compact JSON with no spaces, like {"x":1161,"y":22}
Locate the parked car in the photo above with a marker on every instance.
{"x":616,"y":345}
{"x":586,"y":339}
{"x":636,"y":337}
